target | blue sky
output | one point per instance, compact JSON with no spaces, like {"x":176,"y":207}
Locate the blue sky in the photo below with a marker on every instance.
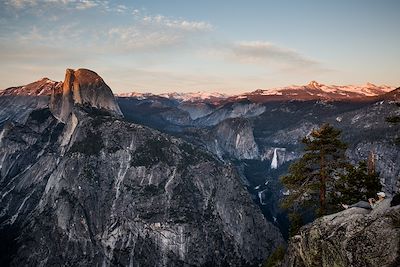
{"x":226,"y":46}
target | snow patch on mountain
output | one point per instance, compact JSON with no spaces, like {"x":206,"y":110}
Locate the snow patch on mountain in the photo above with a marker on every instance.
{"x":195,"y":96}
{"x":181,"y":97}
{"x":139,"y":96}
{"x":325,"y":91}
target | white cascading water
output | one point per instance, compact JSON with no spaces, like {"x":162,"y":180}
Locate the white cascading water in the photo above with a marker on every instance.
{"x":274,"y":163}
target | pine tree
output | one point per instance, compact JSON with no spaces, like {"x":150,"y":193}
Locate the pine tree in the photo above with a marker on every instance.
{"x":357,"y":183}
{"x":314,"y":174}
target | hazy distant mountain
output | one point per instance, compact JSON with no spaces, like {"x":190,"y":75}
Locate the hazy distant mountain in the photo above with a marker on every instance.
{"x":311,"y":91}
{"x":316,"y":91}
{"x":182,"y":97}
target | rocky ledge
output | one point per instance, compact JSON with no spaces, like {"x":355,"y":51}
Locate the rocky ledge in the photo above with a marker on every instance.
{"x":352,"y":238}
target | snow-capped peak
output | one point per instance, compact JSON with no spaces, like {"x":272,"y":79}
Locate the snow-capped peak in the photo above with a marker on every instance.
{"x":194,"y":96}
{"x":315,"y":90}
{"x":314,"y":84}
{"x":183,"y":97}
{"x":137,"y":95}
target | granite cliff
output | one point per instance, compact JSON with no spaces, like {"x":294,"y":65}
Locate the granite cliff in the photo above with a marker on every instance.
{"x":81,"y":186}
{"x":82,"y":87}
{"x":249,"y":130}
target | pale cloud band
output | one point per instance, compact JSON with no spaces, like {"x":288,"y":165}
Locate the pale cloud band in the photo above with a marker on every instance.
{"x":149,"y":32}
{"x":178,"y":23}
{"x":266,"y":53}
{"x":76,"y":4}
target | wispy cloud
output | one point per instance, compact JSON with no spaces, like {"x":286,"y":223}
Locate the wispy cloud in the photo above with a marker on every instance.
{"x":74,"y":4}
{"x":140,"y":30}
{"x":134,"y":37}
{"x":21,"y":3}
{"x":155,"y":31}
{"x":162,"y":80}
{"x":180,"y":24}
{"x":85,"y":4}
{"x":269,"y":54}
{"x":58,"y":35}
{"x":121,"y":8}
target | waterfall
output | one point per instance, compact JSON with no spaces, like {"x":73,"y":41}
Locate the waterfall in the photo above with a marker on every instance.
{"x":261,"y":195}
{"x":274,"y":163}
{"x":2,"y":134}
{"x":237,"y":141}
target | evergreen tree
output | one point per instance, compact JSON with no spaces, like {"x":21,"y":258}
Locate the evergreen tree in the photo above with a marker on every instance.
{"x":357,"y":183}
{"x":314,"y":174}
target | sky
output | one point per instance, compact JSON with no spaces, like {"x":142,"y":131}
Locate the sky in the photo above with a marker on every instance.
{"x":227,"y":46}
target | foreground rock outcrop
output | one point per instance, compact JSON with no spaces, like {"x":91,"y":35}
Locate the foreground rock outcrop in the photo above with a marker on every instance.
{"x":352,"y":238}
{"x":86,"y":188}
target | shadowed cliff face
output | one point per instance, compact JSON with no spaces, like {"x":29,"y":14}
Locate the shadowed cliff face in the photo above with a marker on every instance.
{"x":93,"y":189}
{"x":85,"y":88}
{"x":240,"y":131}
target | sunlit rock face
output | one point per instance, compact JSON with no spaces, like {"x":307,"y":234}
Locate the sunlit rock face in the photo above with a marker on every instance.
{"x":94,"y":190}
{"x":42,"y":87}
{"x":16,"y":103}
{"x":354,"y":237}
{"x":82,"y":87}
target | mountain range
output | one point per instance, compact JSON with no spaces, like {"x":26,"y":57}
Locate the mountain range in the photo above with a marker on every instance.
{"x":311,"y":91}
{"x":89,"y":178}
{"x":255,"y":128}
